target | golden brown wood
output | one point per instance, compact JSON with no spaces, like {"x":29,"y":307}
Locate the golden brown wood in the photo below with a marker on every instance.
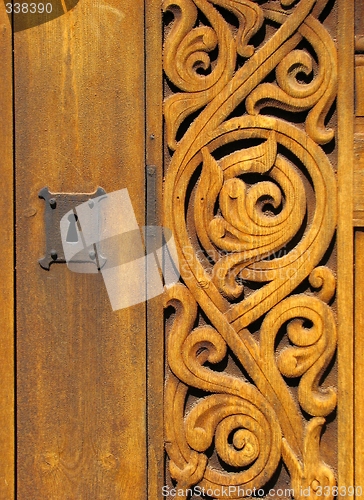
{"x":358,"y":184}
{"x":251,"y":197}
{"x":359,"y":85}
{"x":252,"y":201}
{"x":80,"y":123}
{"x":359,"y":355}
{"x":155,"y":320}
{"x":7,"y":417}
{"x":358,"y":180}
{"x":345,"y":242}
{"x":358,"y":175}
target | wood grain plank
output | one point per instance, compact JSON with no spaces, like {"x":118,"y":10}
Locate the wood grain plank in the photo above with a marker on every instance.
{"x":7,"y":252}
{"x":358,"y":221}
{"x":81,"y":367}
{"x":358,"y":180}
{"x":359,"y":354}
{"x":359,"y":85}
{"x":154,"y":160}
{"x":345,"y":240}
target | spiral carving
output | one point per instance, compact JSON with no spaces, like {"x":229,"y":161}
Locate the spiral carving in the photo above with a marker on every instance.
{"x":237,"y":408}
{"x":256,"y":440}
{"x":255,"y":226}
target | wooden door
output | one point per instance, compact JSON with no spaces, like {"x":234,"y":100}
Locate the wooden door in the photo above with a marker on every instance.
{"x":74,"y":119}
{"x":250,"y":384}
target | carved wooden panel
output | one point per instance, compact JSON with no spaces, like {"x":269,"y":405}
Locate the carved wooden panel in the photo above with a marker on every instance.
{"x":251,"y":197}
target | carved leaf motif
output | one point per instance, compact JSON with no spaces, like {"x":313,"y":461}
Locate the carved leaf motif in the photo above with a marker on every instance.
{"x":292,"y":95}
{"x":187,"y":50}
{"x":315,"y":348}
{"x":307,"y":479}
{"x":250,"y":18}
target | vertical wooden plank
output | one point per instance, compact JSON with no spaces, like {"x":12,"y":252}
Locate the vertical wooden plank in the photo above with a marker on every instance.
{"x":359,"y":356}
{"x":359,"y":85}
{"x":345,"y":241}
{"x":154,"y":162}
{"x":359,"y":244}
{"x":7,"y":252}
{"x":80,"y":123}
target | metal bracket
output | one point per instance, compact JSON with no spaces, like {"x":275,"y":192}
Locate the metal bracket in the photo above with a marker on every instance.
{"x":56,"y":206}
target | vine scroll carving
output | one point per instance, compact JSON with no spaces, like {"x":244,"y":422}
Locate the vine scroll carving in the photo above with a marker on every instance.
{"x":250,"y":195}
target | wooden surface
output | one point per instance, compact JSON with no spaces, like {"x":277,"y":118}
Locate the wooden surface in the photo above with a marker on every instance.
{"x":90,"y":381}
{"x":359,"y":354}
{"x":81,"y":368}
{"x":7,"y":253}
{"x":345,"y":242}
{"x":359,"y":245}
{"x":359,"y":85}
{"x":358,"y":180}
{"x":155,"y":317}
{"x":251,"y":195}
